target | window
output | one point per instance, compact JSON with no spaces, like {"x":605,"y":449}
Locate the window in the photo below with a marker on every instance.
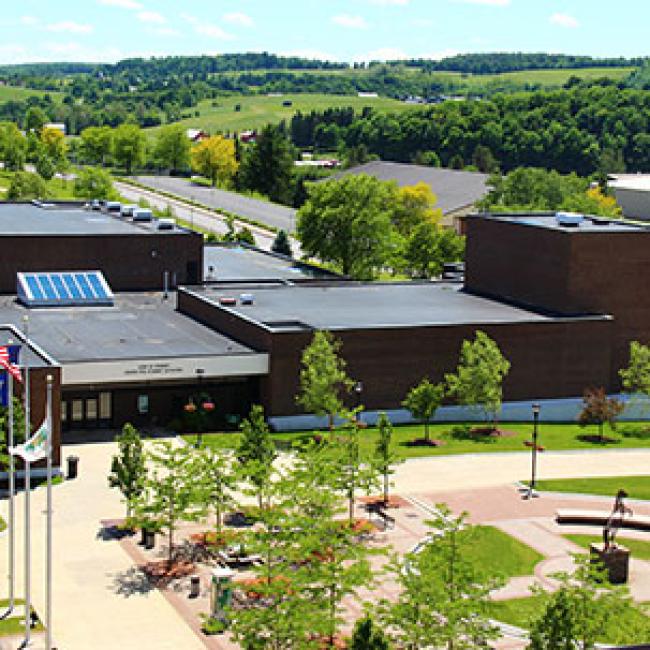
{"x":91,"y":409}
{"x":77,"y":410}
{"x":105,"y":411}
{"x":64,"y":411}
{"x":143,"y":404}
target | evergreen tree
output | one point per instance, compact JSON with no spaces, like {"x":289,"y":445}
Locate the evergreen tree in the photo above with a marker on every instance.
{"x":281,"y":244}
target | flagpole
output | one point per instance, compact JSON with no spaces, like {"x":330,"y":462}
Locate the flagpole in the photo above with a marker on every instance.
{"x":48,"y":584}
{"x":28,"y":542}
{"x":12,"y":490}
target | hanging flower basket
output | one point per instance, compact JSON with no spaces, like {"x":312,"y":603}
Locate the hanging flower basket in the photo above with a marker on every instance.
{"x":190,"y":407}
{"x":208,"y":406}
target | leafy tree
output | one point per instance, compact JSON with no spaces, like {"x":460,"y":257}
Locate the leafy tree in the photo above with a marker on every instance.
{"x":97,"y":144}
{"x":323,"y":377}
{"x":45,"y":168}
{"x":267,"y":166}
{"x":444,"y":595}
{"x":385,"y":456}
{"x":25,"y":185}
{"x":13,"y":146}
{"x":456,"y":162}
{"x":414,"y":205}
{"x":215,"y":159}
{"x":281,"y":244}
{"x":35,"y":119}
{"x":429,"y":247}
{"x":93,"y":183}
{"x":172,"y":148}
{"x":128,"y":467}
{"x":170,"y":490}
{"x":423,"y":401}
{"x":599,"y":409}
{"x":484,"y":160}
{"x":478,"y":381}
{"x":348,"y":222}
{"x":256,"y":451}
{"x":129,"y":146}
{"x":366,"y":636}
{"x":577,"y":613}
{"x":427,"y":158}
{"x":19,"y":430}
{"x":636,"y":377}
{"x":54,"y":146}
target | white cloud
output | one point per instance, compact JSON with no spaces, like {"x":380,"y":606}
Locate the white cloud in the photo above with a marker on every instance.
{"x":238,"y":18}
{"x":70,"y":26}
{"x":152,"y":17}
{"x":123,"y":4}
{"x":491,"y":3}
{"x":28,"y":20}
{"x":207,"y":29}
{"x":350,"y":22}
{"x":386,"y":3}
{"x":564,"y":20}
{"x":383,"y":54}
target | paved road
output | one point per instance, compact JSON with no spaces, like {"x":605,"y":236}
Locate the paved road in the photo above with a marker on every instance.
{"x":272,"y":214}
{"x":201,"y":218}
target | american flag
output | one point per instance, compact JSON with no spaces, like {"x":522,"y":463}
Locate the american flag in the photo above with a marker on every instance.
{"x":5,"y":362}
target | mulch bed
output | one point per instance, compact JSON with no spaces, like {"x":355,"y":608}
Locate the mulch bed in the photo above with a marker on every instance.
{"x":161,"y":572}
{"x":394,"y":501}
{"x":491,"y":432}
{"x":423,"y":442}
{"x":605,"y":440}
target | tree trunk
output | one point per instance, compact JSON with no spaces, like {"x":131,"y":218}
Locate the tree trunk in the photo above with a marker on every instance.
{"x":386,"y":487}
{"x":426,"y":430}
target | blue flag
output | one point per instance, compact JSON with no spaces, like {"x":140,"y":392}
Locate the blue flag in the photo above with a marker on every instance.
{"x":14,"y":354}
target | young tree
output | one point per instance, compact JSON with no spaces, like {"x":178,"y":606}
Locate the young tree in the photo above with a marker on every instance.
{"x":281,"y":244}
{"x":96,"y":144}
{"x":478,"y":381}
{"x":216,"y":482}
{"x":636,"y":377}
{"x":215,"y":159}
{"x":323,"y":377}
{"x":35,"y":119}
{"x":93,"y":183}
{"x":349,"y":222}
{"x":128,"y":467}
{"x":385,"y":456}
{"x":267,"y":166}
{"x":366,"y":636}
{"x":13,"y":147}
{"x":577,"y":613}
{"x":44,"y":166}
{"x":172,"y":148}
{"x":599,"y":409}
{"x":429,"y":247}
{"x":19,"y":430}
{"x":54,"y":146}
{"x":170,"y":493}
{"x":415,"y":205}
{"x":256,"y":452}
{"x":423,"y":401}
{"x":129,"y":146}
{"x":444,"y":595}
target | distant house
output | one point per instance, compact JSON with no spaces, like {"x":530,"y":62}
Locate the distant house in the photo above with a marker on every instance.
{"x":329,"y":163}
{"x":248,"y":136}
{"x":56,"y":126}
{"x":368,"y":95}
{"x":197,"y":135}
{"x":457,"y":191}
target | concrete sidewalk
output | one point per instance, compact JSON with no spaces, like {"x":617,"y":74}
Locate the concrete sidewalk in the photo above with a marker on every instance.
{"x":99,"y":600}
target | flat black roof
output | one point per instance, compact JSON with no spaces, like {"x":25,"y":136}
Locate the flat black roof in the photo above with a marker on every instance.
{"x":69,"y":219}
{"x":138,"y":326}
{"x":352,"y":305}
{"x":560,"y":221}
{"x":236,"y":263}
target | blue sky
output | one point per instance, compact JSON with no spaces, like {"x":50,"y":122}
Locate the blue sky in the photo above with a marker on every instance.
{"x":350,"y":30}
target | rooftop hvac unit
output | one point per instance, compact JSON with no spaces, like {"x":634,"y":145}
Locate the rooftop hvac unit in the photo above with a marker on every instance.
{"x":569,"y":219}
{"x":247,"y":299}
{"x":166,"y":224}
{"x":113,"y":206}
{"x":142,"y":215}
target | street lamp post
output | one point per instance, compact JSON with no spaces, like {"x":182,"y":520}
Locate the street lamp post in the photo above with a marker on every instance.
{"x":533,"y":477}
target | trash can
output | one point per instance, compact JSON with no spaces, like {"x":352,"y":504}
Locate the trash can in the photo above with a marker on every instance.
{"x":195,"y":586}
{"x":149,"y":539}
{"x":73,"y":467}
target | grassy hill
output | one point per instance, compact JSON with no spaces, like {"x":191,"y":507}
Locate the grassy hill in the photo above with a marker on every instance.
{"x":258,"y":110}
{"x":18,"y":93}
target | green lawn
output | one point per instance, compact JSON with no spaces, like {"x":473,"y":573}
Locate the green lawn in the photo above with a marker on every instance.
{"x":639,"y":548}
{"x":59,"y":189}
{"x":493,"y":549}
{"x":258,"y":110}
{"x":455,"y":439}
{"x":637,"y":487}
{"x":521,"y":611}
{"x":18,"y":93}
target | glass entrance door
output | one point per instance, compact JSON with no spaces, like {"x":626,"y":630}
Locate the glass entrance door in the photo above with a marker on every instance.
{"x":87,"y":411}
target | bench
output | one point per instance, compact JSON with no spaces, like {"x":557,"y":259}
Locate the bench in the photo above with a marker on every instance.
{"x":378,"y":508}
{"x":600,"y":518}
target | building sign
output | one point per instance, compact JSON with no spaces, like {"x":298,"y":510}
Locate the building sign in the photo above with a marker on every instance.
{"x":156,"y":369}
